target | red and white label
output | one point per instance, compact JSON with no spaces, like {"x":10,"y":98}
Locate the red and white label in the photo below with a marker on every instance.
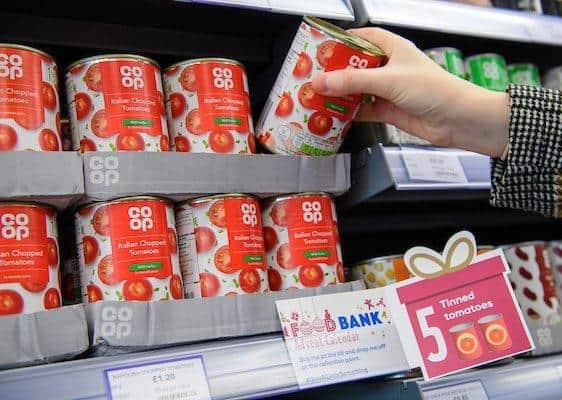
{"x":310,"y":226}
{"x":130,"y":94}
{"x":20,"y":85}
{"x":245,"y":235}
{"x":24,"y":254}
{"x":139,"y":240}
{"x":222,"y":97}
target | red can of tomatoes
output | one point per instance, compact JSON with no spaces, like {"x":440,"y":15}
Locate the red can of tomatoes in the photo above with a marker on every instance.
{"x":296,"y":120}
{"x":29,"y":102}
{"x":29,"y":259}
{"x":208,"y":106}
{"x":127,"y":250}
{"x":116,"y":103}
{"x":302,"y":242}
{"x":221,"y":246}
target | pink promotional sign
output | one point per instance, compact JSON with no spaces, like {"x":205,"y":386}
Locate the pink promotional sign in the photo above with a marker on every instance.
{"x":464,"y":318}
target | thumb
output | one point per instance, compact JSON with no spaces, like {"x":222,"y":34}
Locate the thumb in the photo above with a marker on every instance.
{"x":375,"y":81}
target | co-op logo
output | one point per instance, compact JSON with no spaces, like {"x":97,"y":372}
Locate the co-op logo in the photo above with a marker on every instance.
{"x":116,"y":321}
{"x":222,"y":78}
{"x":140,"y":218}
{"x":131,"y":77}
{"x":15,"y":226}
{"x":11,"y":66}
{"x":104,"y":170}
{"x":312,"y":211}
{"x":249,"y":214}
{"x":358,"y":62}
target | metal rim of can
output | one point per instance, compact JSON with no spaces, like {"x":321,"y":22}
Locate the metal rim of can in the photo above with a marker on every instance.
{"x":516,"y":65}
{"x":485,"y":247}
{"x":523,"y":244}
{"x":376,"y":259}
{"x":477,"y":56}
{"x":205,"y":60}
{"x":28,"y":204}
{"x":123,"y":200}
{"x":282,"y":197}
{"x":28,"y":48}
{"x":216,"y":197}
{"x":445,"y":48}
{"x":351,"y":40}
{"x":112,"y":57}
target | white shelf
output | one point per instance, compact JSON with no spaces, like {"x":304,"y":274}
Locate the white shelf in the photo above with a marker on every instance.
{"x":443,"y":16}
{"x":333,"y":9}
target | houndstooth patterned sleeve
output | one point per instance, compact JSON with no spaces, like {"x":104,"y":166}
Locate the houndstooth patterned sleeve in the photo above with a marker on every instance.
{"x":530,"y":176}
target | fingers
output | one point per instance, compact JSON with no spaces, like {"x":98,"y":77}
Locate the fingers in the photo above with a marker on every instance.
{"x":382,"y":38}
{"x":375,"y":81}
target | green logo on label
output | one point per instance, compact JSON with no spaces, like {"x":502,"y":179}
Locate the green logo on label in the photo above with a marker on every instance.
{"x":253,"y":258}
{"x":336,"y":107}
{"x":316,"y":253}
{"x":137,"y":122}
{"x":313,"y":151}
{"x":228,"y":121}
{"x":145,"y":267}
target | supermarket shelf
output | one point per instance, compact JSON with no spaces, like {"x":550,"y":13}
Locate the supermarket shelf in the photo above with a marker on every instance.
{"x":53,"y":178}
{"x":241,"y":368}
{"x":377,"y":169}
{"x":450,"y":17}
{"x":524,"y":379}
{"x":334,"y":9}
{"x":178,"y":176}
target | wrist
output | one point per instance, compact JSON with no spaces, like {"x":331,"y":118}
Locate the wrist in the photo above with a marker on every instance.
{"x":482,"y":121}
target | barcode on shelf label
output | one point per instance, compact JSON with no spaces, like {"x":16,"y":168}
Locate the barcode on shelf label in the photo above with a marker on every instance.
{"x":433,"y":166}
{"x":178,"y":379}
{"x":465,"y":391}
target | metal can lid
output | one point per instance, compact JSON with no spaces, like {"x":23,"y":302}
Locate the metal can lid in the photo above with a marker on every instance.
{"x":113,"y":57}
{"x":185,"y":63}
{"x":28,"y":48}
{"x":295,"y":195}
{"x":123,"y":200}
{"x":440,"y":49}
{"x":26,"y":204}
{"x":216,"y":197}
{"x":377,"y":259}
{"x":348,"y":38}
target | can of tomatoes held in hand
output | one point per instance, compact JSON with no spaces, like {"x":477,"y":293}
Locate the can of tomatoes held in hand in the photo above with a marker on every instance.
{"x":302,"y":241}
{"x":208,"y":106}
{"x":487,"y":70}
{"x":296,"y":120}
{"x":116,"y":103}
{"x":29,"y":259}
{"x":524,"y":74}
{"x":449,"y":58}
{"x":29,"y":101}
{"x":381,"y":271}
{"x":127,"y":250}
{"x":221,"y":245}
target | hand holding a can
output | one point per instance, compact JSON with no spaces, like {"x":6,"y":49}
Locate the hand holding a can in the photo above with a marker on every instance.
{"x":416,"y":95}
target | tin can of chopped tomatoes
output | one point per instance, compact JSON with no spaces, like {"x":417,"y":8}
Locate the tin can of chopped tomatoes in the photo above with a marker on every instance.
{"x":127,"y":250}
{"x":221,"y":246}
{"x":29,"y":101}
{"x":295,"y":119}
{"x":533,"y":283}
{"x":381,"y":271}
{"x":116,"y":103}
{"x":208,"y":106}
{"x":29,"y":259}
{"x":302,"y":241}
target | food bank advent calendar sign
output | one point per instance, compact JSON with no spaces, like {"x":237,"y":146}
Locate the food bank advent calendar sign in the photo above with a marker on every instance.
{"x":459,"y":311}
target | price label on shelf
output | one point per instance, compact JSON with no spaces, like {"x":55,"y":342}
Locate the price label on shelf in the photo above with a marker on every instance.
{"x":464,"y":391}
{"x":180,"y":378}
{"x":433,"y":166}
